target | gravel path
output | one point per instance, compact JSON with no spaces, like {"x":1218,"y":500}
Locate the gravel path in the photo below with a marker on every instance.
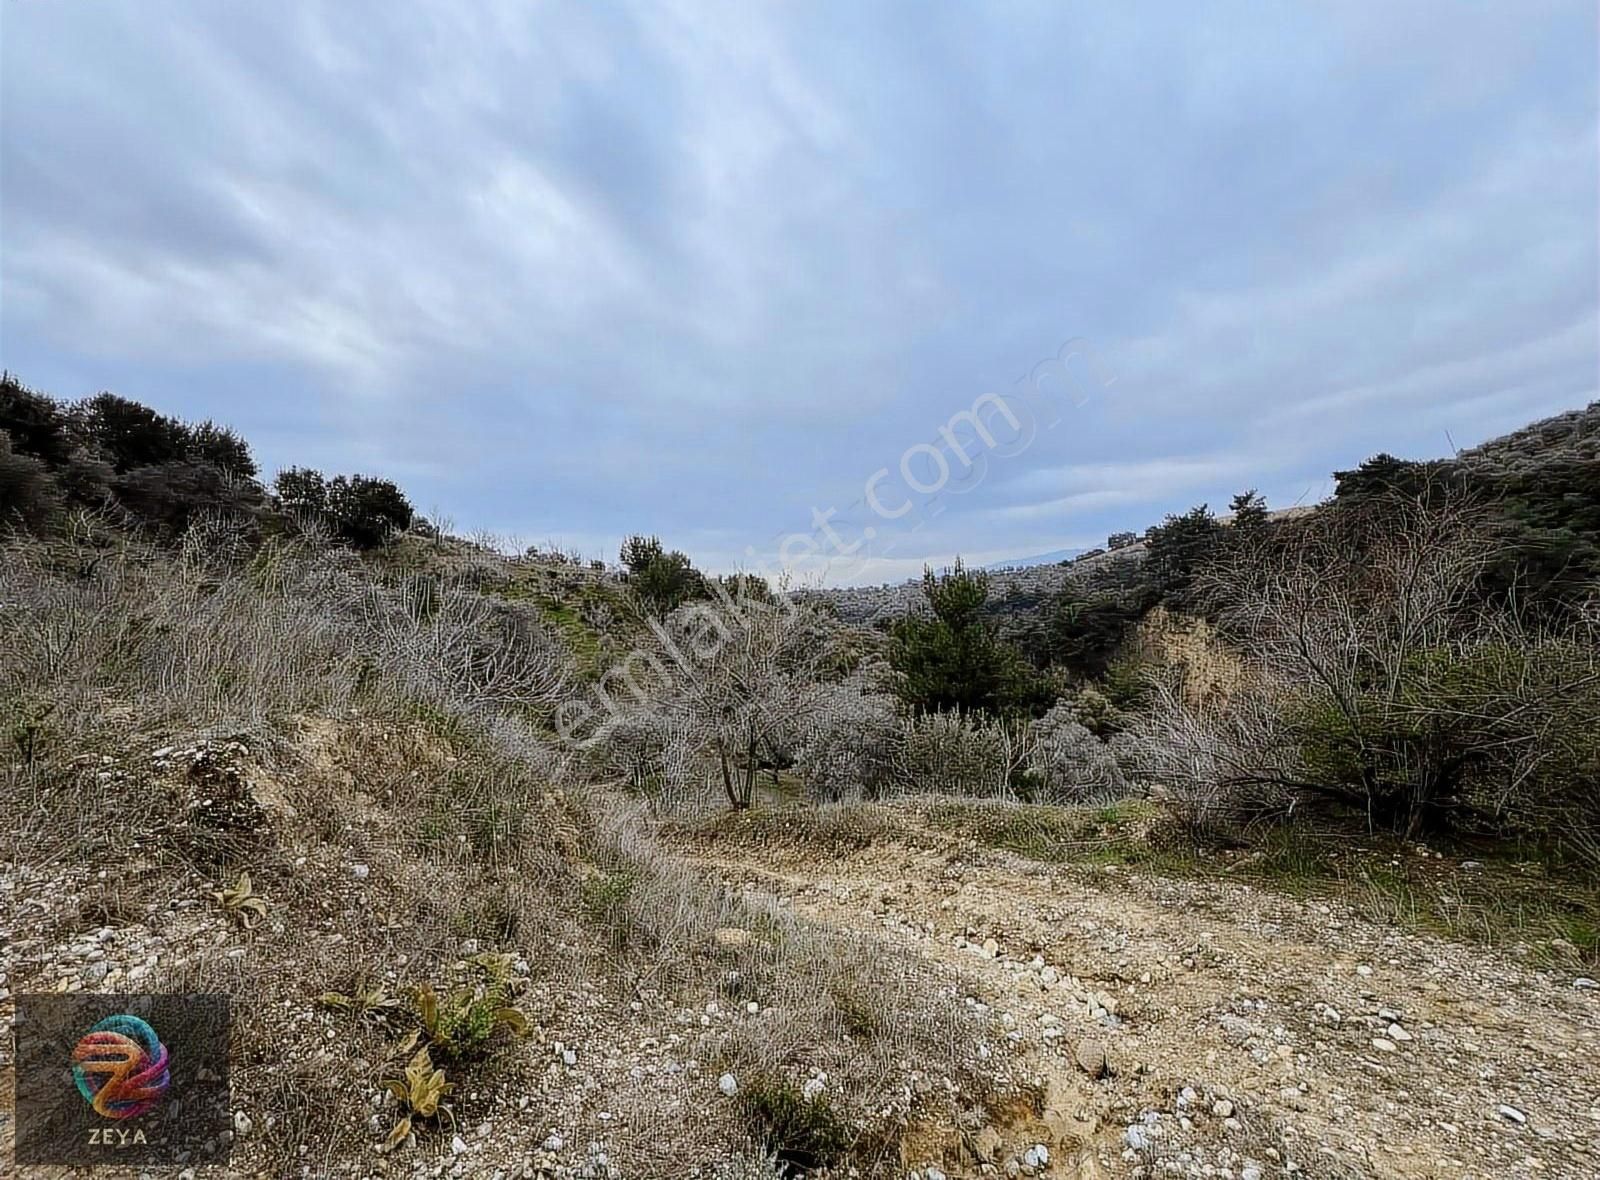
{"x":1200,"y":1029}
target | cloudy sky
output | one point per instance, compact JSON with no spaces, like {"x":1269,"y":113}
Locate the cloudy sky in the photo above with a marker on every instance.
{"x":568,"y":271}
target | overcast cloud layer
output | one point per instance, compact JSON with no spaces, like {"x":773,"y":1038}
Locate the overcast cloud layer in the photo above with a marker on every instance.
{"x":568,"y":271}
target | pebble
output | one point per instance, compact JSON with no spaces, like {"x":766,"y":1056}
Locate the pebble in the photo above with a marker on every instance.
{"x":728,"y":1084}
{"x":1511,"y":1114}
{"x":458,"y":1145}
{"x":1396,"y":1033}
{"x":1382,"y":1045}
{"x":1091,"y":1057}
{"x":359,"y":872}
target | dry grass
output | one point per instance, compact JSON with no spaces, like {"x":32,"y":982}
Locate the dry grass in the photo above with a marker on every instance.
{"x":287,"y":712}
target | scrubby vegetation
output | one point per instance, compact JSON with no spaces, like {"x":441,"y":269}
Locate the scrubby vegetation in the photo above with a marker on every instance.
{"x":148,"y":471}
{"x":341,"y":742}
{"x":420,"y":785}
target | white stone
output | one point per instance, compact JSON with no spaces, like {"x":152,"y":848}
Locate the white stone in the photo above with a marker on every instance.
{"x":1382,"y":1045}
{"x":728,"y":1084}
{"x":1511,"y":1114}
{"x":1396,"y":1033}
{"x":458,"y":1145}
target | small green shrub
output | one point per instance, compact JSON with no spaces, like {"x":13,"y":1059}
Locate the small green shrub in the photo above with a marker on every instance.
{"x":26,"y":725}
{"x":462,"y":1023}
{"x":367,"y":1001}
{"x":802,"y":1134}
{"x":241,"y":902}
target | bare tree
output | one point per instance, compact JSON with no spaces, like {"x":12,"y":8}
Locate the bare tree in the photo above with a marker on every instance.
{"x":1381,"y":676}
{"x":744,"y":678}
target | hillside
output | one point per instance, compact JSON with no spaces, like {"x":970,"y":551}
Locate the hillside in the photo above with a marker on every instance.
{"x":1543,"y":473}
{"x":664,"y":875}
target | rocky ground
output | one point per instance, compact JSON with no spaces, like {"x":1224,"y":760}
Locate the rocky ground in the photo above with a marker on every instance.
{"x":609,"y":1081}
{"x":1185,"y":1028}
{"x":1142,"y":1026}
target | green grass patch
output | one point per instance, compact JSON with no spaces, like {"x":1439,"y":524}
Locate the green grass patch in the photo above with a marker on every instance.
{"x":562,"y":608}
{"x":1501,"y":899}
{"x":1119,"y":834}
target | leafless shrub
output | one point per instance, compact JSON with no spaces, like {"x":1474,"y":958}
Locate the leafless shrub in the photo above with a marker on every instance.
{"x":449,"y":642}
{"x":1069,"y":764}
{"x":946,"y":754}
{"x":1382,"y":679}
{"x":848,"y":748}
{"x":1219,"y":762}
{"x":716,"y":688}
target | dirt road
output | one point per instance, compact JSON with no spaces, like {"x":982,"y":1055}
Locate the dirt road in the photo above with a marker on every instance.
{"x":1179,"y":1027}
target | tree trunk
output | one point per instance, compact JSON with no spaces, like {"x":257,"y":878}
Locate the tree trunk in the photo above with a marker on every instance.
{"x":727,"y":777}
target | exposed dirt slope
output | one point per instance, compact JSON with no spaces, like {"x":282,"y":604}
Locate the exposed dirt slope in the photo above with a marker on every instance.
{"x":1248,"y":1034}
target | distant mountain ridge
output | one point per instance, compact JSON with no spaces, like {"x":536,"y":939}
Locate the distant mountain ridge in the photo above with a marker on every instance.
{"x":1054,"y":557}
{"x":1563,"y":450}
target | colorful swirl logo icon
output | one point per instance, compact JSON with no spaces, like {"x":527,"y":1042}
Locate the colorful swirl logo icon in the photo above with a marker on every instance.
{"x":120,"y":1067}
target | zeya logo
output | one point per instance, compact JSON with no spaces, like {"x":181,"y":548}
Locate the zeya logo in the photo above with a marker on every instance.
{"x":120,"y":1067}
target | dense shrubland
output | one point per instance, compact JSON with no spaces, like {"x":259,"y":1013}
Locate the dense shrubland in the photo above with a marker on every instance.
{"x":147,"y":471}
{"x":1417,"y":656}
{"x":1388,"y":677}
